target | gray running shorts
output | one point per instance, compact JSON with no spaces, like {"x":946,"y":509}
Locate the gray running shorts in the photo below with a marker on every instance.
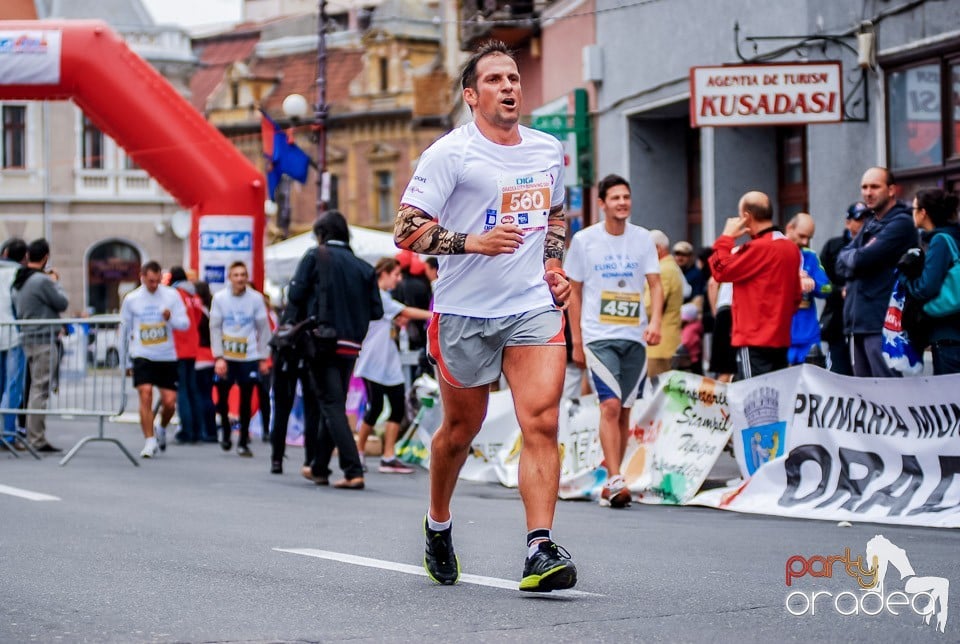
{"x":618,"y":368}
{"x":468,"y":351}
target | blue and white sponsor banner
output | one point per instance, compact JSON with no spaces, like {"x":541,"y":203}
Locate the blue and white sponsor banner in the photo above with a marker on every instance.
{"x":224,"y":239}
{"x":30,"y":57}
{"x":854,"y":449}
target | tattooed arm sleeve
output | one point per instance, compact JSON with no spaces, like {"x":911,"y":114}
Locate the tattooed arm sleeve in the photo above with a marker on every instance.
{"x":417,"y":231}
{"x":556,"y":232}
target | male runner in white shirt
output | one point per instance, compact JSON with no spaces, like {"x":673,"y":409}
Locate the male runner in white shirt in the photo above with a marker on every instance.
{"x":148,"y":315}
{"x":488,"y":199}
{"x":239,"y":337}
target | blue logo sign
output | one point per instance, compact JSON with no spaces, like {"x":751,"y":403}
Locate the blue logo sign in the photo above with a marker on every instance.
{"x":522,"y":181}
{"x":228,"y":240}
{"x":491,"y":217}
{"x":523,"y":218}
{"x":762,"y":444}
{"x":215,"y":274}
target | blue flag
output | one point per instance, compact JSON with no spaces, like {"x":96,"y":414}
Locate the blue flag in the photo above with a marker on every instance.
{"x":285,"y":157}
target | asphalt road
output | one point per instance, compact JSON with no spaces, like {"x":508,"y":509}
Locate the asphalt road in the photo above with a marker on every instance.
{"x":195,"y":546}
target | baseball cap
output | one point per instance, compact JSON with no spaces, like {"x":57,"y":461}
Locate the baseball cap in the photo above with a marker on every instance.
{"x":683,"y":248}
{"x":857,"y":211}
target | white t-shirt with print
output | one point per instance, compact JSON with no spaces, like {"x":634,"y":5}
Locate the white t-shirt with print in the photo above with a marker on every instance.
{"x":613,"y":270}
{"x":239,"y":326}
{"x":141,"y":316}
{"x":379,"y":358}
{"x":471,"y":184}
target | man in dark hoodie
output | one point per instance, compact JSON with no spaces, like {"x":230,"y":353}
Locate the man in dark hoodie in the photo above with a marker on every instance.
{"x":868,"y":264}
{"x":38,"y":295}
{"x":348,"y":285}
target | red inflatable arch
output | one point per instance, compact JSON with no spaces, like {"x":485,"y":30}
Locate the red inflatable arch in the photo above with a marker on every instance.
{"x":132,"y":103}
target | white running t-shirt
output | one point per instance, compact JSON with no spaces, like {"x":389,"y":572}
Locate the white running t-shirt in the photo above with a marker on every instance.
{"x":141,"y":316}
{"x":379,"y":359}
{"x":470,"y":184}
{"x":613,"y":270}
{"x":239,"y":326}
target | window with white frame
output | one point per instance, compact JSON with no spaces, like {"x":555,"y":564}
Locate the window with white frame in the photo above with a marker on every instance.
{"x":14,"y":136}
{"x":91,"y":146}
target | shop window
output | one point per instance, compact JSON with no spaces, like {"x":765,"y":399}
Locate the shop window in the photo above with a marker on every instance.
{"x":694,"y":230}
{"x":791,"y":172}
{"x":14,"y":136}
{"x":916,"y":124}
{"x":923,"y":117}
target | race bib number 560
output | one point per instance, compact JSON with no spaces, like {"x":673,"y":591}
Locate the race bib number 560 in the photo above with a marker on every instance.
{"x":525,"y":201}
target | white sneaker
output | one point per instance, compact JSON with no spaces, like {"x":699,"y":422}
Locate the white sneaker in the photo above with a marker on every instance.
{"x":161,"y":433}
{"x":149,"y":449}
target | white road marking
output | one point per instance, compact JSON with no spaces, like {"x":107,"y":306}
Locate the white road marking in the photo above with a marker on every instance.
{"x":27,"y":494}
{"x":367,"y":562}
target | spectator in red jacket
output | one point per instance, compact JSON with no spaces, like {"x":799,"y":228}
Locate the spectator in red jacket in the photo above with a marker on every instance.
{"x":189,"y":403}
{"x":765,"y":272}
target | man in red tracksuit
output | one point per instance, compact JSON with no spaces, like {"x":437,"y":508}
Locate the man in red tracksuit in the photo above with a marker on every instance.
{"x":765,"y":273}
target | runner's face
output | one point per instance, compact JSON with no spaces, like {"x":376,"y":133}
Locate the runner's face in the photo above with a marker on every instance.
{"x":617,"y":204}
{"x":498,"y":97}
{"x":238,"y":279}
{"x":150,"y":280}
{"x":389,"y":281}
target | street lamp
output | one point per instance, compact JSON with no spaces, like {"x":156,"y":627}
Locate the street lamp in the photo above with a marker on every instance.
{"x":320,"y":109}
{"x":294,"y":108}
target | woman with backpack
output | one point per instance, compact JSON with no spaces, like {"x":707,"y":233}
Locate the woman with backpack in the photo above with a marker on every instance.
{"x":935,"y":215}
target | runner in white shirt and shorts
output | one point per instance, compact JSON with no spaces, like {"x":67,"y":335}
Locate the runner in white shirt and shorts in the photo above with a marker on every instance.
{"x":148,"y":315}
{"x":609,"y":264}
{"x":488,"y":199}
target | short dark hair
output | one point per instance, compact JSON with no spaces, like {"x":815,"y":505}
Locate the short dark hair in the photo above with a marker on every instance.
{"x":432,"y":262}
{"x":178,"y":274}
{"x":151,"y":267}
{"x":468,"y":75}
{"x":38,"y":249}
{"x":941,"y":206}
{"x":236,"y":264}
{"x":15,"y":249}
{"x":332,"y":226}
{"x":610,"y":181}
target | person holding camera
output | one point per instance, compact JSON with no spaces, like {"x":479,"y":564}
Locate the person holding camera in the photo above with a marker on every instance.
{"x":341,"y":292}
{"x":239,"y":333}
{"x":38,"y":295}
{"x":924,"y":274}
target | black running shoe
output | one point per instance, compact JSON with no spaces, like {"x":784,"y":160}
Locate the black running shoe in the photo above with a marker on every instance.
{"x":439,"y":560}
{"x":550,"y":568}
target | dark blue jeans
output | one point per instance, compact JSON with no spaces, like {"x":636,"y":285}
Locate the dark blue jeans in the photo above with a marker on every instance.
{"x":189,"y":404}
{"x":13,"y":364}
{"x":946,"y":357}
{"x":208,"y":411}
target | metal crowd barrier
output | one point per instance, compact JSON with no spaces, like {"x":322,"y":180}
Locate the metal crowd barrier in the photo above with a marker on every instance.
{"x":88,"y":378}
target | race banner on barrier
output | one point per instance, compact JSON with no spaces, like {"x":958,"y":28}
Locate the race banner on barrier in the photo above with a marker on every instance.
{"x":809,"y":443}
{"x":855,"y":449}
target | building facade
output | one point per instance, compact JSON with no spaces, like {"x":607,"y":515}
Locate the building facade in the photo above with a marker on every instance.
{"x":63,"y":179}
{"x":901,"y":109}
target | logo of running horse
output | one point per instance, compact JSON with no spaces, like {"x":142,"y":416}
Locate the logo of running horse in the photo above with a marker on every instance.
{"x":882,"y":553}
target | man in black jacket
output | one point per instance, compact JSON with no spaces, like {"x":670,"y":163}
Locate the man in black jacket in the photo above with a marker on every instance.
{"x":352,"y":301}
{"x":831,"y":320}
{"x":868,"y":263}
